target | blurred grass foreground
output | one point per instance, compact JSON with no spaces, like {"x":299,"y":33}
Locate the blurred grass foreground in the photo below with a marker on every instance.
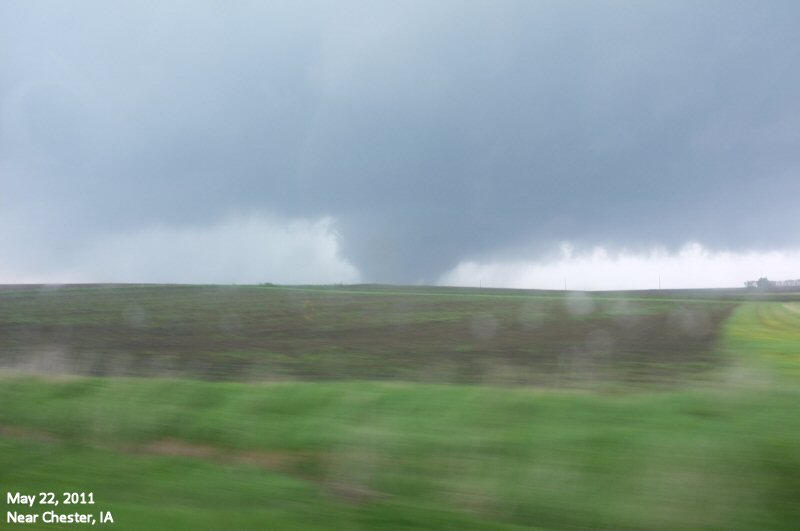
{"x":368,"y":407}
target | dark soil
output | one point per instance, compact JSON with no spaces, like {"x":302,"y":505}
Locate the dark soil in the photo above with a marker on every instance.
{"x":268,"y":333}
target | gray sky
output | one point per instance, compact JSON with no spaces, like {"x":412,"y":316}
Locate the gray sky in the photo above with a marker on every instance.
{"x":390,"y":141}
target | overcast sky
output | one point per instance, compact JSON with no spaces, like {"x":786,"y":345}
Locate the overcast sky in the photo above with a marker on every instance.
{"x":404,"y":142}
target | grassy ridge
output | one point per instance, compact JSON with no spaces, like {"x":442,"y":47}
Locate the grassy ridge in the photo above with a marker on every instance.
{"x":770,"y":332}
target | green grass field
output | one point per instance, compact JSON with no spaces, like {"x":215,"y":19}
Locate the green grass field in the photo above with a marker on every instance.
{"x":403,"y":408}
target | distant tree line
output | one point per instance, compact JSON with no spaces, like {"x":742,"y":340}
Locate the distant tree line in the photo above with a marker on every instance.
{"x":765,"y":283}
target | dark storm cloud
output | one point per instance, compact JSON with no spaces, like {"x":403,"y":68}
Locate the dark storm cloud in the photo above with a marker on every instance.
{"x":431,"y":131}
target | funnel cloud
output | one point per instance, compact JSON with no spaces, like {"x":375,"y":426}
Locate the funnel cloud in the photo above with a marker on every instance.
{"x":386,"y":142}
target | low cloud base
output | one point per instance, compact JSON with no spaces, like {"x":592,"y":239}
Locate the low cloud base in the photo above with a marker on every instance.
{"x":693,"y":266}
{"x":244,"y":249}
